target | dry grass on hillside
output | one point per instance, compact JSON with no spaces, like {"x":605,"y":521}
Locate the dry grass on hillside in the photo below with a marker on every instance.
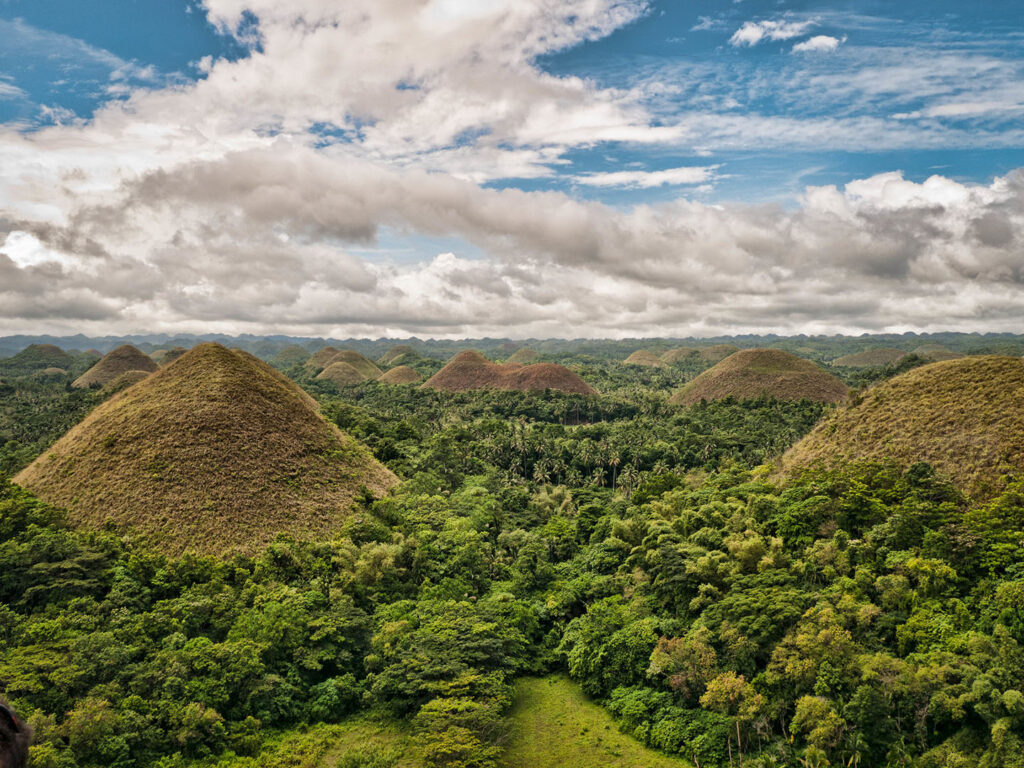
{"x":471,"y":370}
{"x":400,"y":353}
{"x":401,"y":374}
{"x":678,"y":355}
{"x":524,"y":355}
{"x":121,"y":360}
{"x":965,"y":417}
{"x":215,"y":453}
{"x":341,"y":373}
{"x":754,"y":373}
{"x":644,"y":358}
{"x":935,"y":353}
{"x":360,"y":362}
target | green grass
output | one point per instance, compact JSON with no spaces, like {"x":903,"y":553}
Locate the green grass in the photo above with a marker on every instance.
{"x":553,"y":725}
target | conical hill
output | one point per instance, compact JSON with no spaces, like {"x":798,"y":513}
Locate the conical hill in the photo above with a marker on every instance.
{"x":965,"y":417}
{"x":644,"y":358}
{"x":341,"y":373}
{"x":471,"y":370}
{"x":398,"y":354}
{"x":753,"y":373}
{"x":215,"y":453}
{"x":121,"y":360}
{"x":400,"y":374}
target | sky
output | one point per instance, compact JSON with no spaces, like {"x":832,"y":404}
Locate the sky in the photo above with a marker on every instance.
{"x":511,"y":168}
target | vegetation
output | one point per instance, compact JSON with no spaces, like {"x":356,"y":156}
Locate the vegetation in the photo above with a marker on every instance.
{"x":763,"y":372}
{"x":471,"y":370}
{"x":400,"y":374}
{"x":341,"y":373}
{"x":871,"y":358}
{"x":965,"y":417}
{"x":215,"y":453}
{"x":645,"y":358}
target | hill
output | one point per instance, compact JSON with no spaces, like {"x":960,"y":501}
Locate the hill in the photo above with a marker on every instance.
{"x":716,"y":352}
{"x":123,"y":381}
{"x":644,"y":358}
{"x":524,"y":355}
{"x":321,"y":359}
{"x":166,"y":356}
{"x":678,"y":354}
{"x":401,"y":374}
{"x":398,"y":354}
{"x":870,"y":358}
{"x":341,"y":373}
{"x":290,"y":356}
{"x":471,"y":370}
{"x":964,"y":416}
{"x":365,"y":366}
{"x":36,"y":357}
{"x":935,"y":353}
{"x":752,"y":373}
{"x":121,"y":360}
{"x":215,"y":453}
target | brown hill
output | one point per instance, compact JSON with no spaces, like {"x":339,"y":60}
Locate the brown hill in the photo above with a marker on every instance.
{"x":935,"y":353}
{"x":216,"y":453}
{"x":870,"y":358}
{"x":360,"y":362}
{"x":341,"y":373}
{"x":121,"y":360}
{"x":678,"y":354}
{"x":401,"y":374}
{"x":123,"y":381}
{"x":753,"y":373}
{"x":644,"y":358}
{"x":321,"y":359}
{"x":398,"y":354}
{"x":716,"y":352}
{"x":471,"y":370}
{"x":523,"y":355}
{"x":964,"y":416}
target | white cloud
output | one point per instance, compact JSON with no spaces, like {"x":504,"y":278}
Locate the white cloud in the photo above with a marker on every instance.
{"x":686,"y":175}
{"x":819,"y":44}
{"x":753,"y":32}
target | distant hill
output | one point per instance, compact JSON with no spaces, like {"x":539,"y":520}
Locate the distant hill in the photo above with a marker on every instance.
{"x":964,"y":416}
{"x":341,"y":373}
{"x":290,"y":356}
{"x":121,"y":360}
{"x":716,"y":352}
{"x":753,"y":373}
{"x":644,"y":358}
{"x":217,"y":452}
{"x":935,"y":353}
{"x":36,"y":358}
{"x":321,"y":359}
{"x":471,"y":370}
{"x":870,"y":358}
{"x":678,"y":354}
{"x":398,"y":355}
{"x":401,"y":374}
{"x":365,"y":366}
{"x":524,"y":355}
{"x":165,"y":356}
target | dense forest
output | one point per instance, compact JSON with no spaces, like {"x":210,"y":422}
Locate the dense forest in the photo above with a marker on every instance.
{"x":723,"y":613}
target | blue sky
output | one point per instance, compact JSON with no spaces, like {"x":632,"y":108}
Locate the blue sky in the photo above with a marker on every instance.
{"x":654,"y":116}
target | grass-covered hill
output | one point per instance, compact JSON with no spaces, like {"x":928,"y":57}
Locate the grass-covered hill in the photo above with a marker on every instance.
{"x":716,"y":352}
{"x":217,"y":452}
{"x":870,"y":358}
{"x":935,"y":353}
{"x":36,"y":357}
{"x":398,"y":355}
{"x":320,"y":359}
{"x":366,"y":367}
{"x":679,"y":354}
{"x":965,"y":417}
{"x":116,"y":362}
{"x":341,"y":373}
{"x":400,"y":374}
{"x":290,"y":356}
{"x":753,"y":373}
{"x":524,"y":355}
{"x":645,"y":358}
{"x":471,"y":370}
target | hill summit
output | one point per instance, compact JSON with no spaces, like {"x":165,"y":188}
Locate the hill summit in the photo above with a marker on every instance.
{"x":963,"y":416}
{"x":752,"y":373}
{"x":400,"y":374}
{"x":471,"y":370}
{"x":36,"y":357}
{"x":644,"y":358}
{"x":116,"y":362}
{"x":217,"y":452}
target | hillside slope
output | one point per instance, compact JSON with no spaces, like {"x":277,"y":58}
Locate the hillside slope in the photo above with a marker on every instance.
{"x":644,"y":358}
{"x":471,"y":370}
{"x":964,"y":416}
{"x":870,"y":358}
{"x":753,"y":373}
{"x":217,"y":452}
{"x":116,"y":362}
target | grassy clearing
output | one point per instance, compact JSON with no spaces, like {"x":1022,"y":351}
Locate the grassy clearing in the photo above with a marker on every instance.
{"x":555,"y":726}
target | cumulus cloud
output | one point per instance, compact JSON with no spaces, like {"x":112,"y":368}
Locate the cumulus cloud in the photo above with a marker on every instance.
{"x":753,"y":32}
{"x":819,"y":44}
{"x":686,"y":175}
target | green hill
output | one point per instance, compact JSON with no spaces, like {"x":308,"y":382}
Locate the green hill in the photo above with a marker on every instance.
{"x":754,"y":373}
{"x":524,"y":355}
{"x":290,"y":356}
{"x":935,"y":353}
{"x":217,"y":452}
{"x":644,"y":358}
{"x":678,"y":355}
{"x":116,"y":362}
{"x":366,"y":367}
{"x":321,"y":359}
{"x":965,"y":417}
{"x":398,"y":355}
{"x":341,"y":373}
{"x":401,"y":374}
{"x":36,"y":357}
{"x":716,"y":352}
{"x":870,"y":358}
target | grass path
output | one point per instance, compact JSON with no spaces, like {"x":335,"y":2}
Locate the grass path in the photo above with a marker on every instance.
{"x":555,"y":726}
